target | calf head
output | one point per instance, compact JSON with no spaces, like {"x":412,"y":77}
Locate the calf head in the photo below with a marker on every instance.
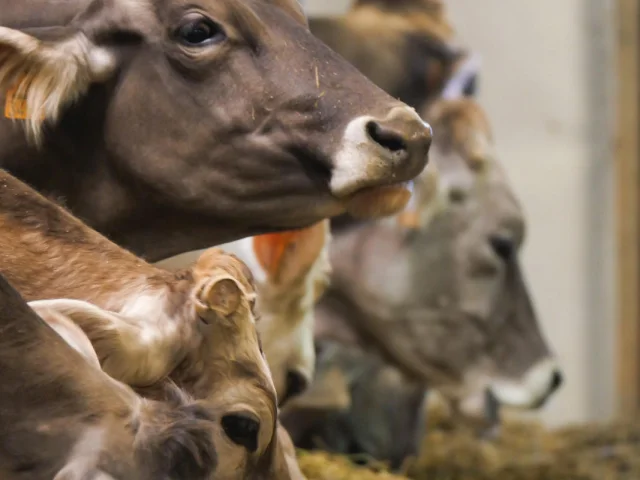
{"x":224,"y":368}
{"x":440,"y":290}
{"x":228,"y":370}
{"x":218,"y":118}
{"x":291,"y":270}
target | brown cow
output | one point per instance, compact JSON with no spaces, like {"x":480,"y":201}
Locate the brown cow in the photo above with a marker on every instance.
{"x":173,"y":126}
{"x":196,"y":326}
{"x":439,"y":293}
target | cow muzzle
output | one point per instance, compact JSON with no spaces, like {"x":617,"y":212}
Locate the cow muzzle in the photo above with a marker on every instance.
{"x":377,"y":159}
{"x":533,"y":390}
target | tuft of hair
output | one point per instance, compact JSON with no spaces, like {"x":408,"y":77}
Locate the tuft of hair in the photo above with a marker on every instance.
{"x":176,"y":441}
{"x":48,"y":76}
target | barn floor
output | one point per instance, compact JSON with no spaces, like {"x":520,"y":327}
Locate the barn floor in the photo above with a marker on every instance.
{"x":523,"y":451}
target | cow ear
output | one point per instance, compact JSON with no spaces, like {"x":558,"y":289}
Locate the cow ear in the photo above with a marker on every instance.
{"x":43,"y":70}
{"x":40,"y":78}
{"x":118,"y":341}
{"x":464,"y":81}
{"x":286,"y":256}
{"x":221,"y":294}
{"x":70,"y":332}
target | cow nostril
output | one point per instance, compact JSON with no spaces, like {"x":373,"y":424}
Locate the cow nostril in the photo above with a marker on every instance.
{"x":242,"y":429}
{"x":296,"y":384}
{"x":502,"y":246}
{"x":386,"y":137}
{"x":556,"y":381}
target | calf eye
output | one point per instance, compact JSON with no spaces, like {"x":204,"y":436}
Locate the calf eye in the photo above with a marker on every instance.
{"x":242,"y":430}
{"x":199,"y":32}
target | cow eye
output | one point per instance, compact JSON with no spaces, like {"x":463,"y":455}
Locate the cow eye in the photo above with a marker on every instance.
{"x":200,"y":32}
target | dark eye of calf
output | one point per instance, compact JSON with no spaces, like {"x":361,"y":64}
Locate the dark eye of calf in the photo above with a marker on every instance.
{"x":242,"y":430}
{"x":200,"y":31}
{"x":502,"y":246}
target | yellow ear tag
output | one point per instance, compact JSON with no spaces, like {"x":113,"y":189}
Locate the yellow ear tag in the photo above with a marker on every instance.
{"x":15,"y":105}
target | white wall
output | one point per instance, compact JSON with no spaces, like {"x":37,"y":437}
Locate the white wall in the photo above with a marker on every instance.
{"x":547,"y":91}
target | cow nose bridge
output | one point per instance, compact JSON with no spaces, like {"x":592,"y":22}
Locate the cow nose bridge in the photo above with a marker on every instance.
{"x":402,"y":135}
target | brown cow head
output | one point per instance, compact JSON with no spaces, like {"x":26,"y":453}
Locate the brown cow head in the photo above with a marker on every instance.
{"x":200,"y":122}
{"x":406,"y":47}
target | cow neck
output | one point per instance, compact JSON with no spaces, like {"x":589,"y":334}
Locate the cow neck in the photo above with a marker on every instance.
{"x":45,"y":252}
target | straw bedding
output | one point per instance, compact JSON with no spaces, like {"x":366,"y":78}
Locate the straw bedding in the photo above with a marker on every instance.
{"x":521,"y":451}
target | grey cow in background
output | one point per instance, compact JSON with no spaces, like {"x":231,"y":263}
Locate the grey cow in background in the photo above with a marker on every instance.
{"x":434,"y":297}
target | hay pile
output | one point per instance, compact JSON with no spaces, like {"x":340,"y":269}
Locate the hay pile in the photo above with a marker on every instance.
{"x":324,"y":466}
{"x":522,"y":451}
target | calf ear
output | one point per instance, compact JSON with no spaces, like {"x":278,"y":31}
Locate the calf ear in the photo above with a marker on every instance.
{"x":39,"y":78}
{"x":71,"y":333}
{"x":221,"y":294}
{"x":119,"y":341}
{"x":286,"y":256}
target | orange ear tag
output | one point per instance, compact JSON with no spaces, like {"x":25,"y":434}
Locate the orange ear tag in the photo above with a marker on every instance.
{"x":270,"y":247}
{"x":15,"y":105}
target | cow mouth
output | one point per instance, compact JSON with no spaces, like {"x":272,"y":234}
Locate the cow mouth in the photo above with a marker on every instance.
{"x":379,"y":201}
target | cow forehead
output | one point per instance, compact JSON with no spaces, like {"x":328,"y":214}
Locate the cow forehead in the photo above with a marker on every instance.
{"x":143,"y":15}
{"x":292,"y":7}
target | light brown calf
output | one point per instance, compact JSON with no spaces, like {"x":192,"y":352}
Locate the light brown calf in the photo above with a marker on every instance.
{"x":145,"y":323}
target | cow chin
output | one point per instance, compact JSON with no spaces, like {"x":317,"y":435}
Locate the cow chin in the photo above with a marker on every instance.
{"x":379,"y":201}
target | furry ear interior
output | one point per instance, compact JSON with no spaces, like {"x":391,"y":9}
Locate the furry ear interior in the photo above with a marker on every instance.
{"x":221,"y":294}
{"x":285,"y":256}
{"x":40,"y":78}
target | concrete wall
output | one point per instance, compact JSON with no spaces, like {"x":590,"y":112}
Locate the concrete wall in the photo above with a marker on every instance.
{"x":547,"y":90}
